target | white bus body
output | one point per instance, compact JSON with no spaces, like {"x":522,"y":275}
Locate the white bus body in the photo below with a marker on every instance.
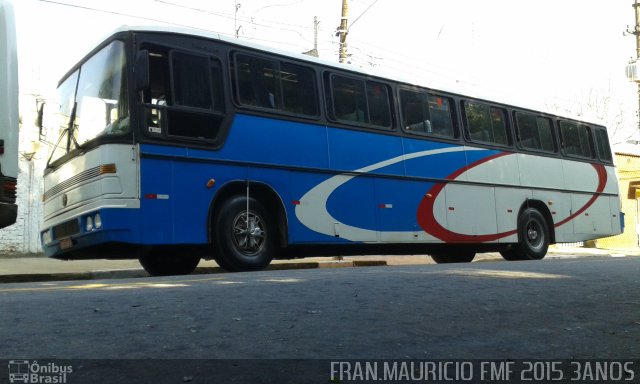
{"x":8,"y":115}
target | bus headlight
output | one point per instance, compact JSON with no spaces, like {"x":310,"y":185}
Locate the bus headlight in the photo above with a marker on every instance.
{"x":97,"y":221}
{"x":89,"y":224}
{"x":46,"y":237}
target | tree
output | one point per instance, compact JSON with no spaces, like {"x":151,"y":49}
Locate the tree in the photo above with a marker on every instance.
{"x":605,"y":107}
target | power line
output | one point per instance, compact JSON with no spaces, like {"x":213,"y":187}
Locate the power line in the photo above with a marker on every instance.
{"x":240,"y":18}
{"x":280,"y":5}
{"x":86,"y":8}
{"x":393,"y":59}
{"x":362,"y":14}
{"x":113,"y":13}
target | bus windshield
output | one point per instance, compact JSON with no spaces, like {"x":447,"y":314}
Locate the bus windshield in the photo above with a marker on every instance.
{"x":93,"y":101}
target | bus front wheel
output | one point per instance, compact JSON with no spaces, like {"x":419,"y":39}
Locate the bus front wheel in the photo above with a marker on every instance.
{"x":244,"y":235}
{"x":169,"y":264}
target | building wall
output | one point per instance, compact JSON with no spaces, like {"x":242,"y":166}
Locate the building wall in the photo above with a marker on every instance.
{"x":23,"y":236}
{"x":628,"y":167}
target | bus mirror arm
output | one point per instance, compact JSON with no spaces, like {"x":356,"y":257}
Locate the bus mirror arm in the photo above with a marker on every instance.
{"x":40,"y":106}
{"x":141,"y":70}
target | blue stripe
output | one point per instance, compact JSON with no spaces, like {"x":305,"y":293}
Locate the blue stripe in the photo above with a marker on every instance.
{"x":291,"y":147}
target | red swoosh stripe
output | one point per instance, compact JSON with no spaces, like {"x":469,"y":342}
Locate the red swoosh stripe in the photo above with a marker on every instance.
{"x":602,"y":182}
{"x":430,"y":225}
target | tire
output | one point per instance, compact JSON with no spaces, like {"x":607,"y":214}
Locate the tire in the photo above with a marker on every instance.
{"x":169,"y":264}
{"x":533,"y":237}
{"x":510,"y":255}
{"x":453,"y":257}
{"x":241,"y":247}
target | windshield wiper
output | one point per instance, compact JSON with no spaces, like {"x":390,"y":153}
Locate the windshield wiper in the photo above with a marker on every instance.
{"x":55,"y":147}
{"x":73,"y":127}
{"x":68,"y":131}
{"x":73,"y":137}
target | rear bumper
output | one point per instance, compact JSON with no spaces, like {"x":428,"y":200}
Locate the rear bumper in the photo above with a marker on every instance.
{"x":8,"y":214}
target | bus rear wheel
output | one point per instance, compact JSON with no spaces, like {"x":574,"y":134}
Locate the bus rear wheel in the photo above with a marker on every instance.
{"x":244,"y":240}
{"x":169,"y":264}
{"x":453,"y":257}
{"x":533,"y":237}
{"x":510,"y":254}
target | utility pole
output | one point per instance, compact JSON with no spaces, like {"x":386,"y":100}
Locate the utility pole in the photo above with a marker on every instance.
{"x":235,"y":20}
{"x":342,"y":32}
{"x":636,"y":30}
{"x":314,"y":51}
{"x":316,"y":23}
{"x":633,"y":68}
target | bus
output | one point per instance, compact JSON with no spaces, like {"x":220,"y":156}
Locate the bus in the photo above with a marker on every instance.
{"x":19,"y":370}
{"x":8,"y":115}
{"x":176,"y":145}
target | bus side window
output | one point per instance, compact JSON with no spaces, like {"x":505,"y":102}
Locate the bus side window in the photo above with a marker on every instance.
{"x":191,"y":78}
{"x":534,"y":132}
{"x":276,"y":85}
{"x":576,"y":139}
{"x":441,"y":120}
{"x":257,"y":81}
{"x":349,"y":99}
{"x":159,"y":92}
{"x":185,"y":94}
{"x":602,"y":142}
{"x":378,"y":103}
{"x":415,"y":114}
{"x":159,"y":78}
{"x":486,"y":124}
{"x":299,"y":89}
{"x":426,"y":113}
{"x":194,"y":113}
{"x":360,"y":101}
{"x":545,"y":133}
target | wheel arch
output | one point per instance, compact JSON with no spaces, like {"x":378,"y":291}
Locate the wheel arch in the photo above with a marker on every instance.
{"x":544,"y":210}
{"x":259,"y":191}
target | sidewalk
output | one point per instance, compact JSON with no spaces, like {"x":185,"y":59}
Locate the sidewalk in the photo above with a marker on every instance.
{"x":32,"y":269}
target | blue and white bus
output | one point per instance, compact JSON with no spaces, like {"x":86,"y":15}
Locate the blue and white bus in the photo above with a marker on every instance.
{"x":8,"y":115}
{"x":177,"y":145}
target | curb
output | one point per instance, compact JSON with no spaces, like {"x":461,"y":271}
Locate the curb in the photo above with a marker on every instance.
{"x":44,"y":277}
{"x":138,"y":273}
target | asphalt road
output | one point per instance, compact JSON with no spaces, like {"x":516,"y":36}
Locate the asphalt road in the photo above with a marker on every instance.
{"x":579,"y":308}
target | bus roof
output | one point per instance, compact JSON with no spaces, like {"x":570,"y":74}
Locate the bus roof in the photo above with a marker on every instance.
{"x":234,"y":41}
{"x":418,"y":82}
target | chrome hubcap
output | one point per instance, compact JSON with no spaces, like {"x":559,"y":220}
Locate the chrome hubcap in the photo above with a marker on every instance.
{"x":534,"y":235}
{"x":248,"y":233}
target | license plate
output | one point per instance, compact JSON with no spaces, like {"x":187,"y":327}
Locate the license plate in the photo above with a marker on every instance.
{"x":66,"y":243}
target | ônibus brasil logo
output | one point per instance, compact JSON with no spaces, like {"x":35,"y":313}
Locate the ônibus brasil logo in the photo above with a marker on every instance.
{"x":24,"y":371}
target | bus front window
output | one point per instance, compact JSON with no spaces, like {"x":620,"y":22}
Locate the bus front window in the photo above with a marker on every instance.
{"x":98,"y":106}
{"x":66,"y":99}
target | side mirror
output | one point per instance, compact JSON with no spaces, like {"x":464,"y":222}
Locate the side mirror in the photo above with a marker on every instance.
{"x":141,"y":70}
{"x":40,"y":105}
